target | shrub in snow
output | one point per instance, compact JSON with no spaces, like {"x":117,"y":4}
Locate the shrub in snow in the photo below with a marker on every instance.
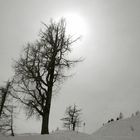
{"x":132,"y":128}
{"x":137,"y":113}
{"x":121,"y":115}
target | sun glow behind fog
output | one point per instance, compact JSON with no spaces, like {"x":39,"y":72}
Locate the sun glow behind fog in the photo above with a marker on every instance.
{"x":76,"y":25}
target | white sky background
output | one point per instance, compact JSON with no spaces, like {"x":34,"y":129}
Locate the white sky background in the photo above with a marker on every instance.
{"x":107,"y":82}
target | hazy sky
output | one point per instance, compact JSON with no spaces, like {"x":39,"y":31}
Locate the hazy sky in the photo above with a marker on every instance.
{"x":107,"y":82}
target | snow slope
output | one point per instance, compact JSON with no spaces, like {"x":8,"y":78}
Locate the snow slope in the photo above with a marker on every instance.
{"x":126,"y":129}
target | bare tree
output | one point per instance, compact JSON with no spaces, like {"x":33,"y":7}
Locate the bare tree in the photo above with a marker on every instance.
{"x":4,"y":92}
{"x":72,"y":118}
{"x":41,"y":68}
{"x":6,"y":109}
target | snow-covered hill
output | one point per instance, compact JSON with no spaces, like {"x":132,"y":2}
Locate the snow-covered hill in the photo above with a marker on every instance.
{"x":125,"y":127}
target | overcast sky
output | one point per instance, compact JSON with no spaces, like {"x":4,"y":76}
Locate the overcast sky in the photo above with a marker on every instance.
{"x":107,"y":81}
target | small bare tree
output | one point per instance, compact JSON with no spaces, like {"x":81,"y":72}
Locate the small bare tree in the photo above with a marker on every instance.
{"x":40,"y":68}
{"x":72,"y":118}
{"x":4,"y":92}
{"x":6,"y":109}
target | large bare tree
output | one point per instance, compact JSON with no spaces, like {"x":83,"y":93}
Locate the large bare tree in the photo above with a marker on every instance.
{"x":41,"y":67}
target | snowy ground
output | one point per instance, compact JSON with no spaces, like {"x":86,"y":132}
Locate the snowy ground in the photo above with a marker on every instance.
{"x":127,"y":129}
{"x":71,"y":136}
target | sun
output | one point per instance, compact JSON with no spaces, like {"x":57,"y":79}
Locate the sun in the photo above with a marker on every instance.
{"x":76,"y":25}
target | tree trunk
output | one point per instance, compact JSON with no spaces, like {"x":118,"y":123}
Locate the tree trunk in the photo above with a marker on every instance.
{"x":45,"y":123}
{"x":45,"y":117}
{"x":12,"y":130}
{"x":73,"y":128}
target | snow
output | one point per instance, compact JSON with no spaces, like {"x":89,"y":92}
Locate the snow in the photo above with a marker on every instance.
{"x":126,"y":129}
{"x":61,"y":135}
